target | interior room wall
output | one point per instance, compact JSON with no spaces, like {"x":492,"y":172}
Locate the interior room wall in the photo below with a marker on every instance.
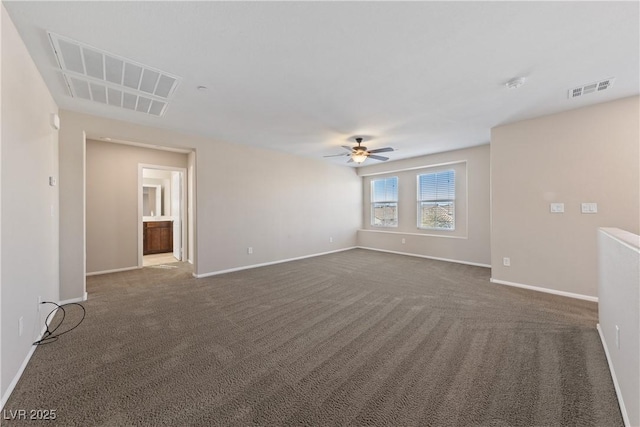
{"x":469,"y":243}
{"x":29,"y":217}
{"x":589,"y":154}
{"x":280,"y":205}
{"x":112,"y":201}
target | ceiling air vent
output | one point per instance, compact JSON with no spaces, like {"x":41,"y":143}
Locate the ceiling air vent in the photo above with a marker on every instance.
{"x":109,"y":79}
{"x":591,"y":88}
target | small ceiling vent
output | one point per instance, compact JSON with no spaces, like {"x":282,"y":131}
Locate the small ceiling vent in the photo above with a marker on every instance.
{"x":591,"y":88}
{"x":109,"y":79}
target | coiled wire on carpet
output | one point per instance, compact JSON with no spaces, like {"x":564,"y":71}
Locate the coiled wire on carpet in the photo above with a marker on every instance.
{"x":48,"y":336}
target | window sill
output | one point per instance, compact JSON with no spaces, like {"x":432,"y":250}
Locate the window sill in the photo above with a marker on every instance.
{"x":404,"y":233}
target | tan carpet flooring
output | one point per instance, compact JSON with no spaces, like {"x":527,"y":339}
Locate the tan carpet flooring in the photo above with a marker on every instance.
{"x":351,"y":338}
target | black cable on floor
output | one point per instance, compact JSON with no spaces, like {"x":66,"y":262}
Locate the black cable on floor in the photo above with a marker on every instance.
{"x":48,"y":336}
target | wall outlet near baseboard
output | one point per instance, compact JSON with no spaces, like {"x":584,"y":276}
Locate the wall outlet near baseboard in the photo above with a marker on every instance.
{"x":404,"y":240}
{"x":249,"y":250}
{"x":617,"y":337}
{"x":506,"y":261}
{"x":330,"y":239}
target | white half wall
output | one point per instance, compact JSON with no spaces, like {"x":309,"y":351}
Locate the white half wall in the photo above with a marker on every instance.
{"x":619,"y":314}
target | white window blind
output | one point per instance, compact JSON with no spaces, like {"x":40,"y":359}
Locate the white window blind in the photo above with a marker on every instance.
{"x":384,"y":202}
{"x":436,"y":200}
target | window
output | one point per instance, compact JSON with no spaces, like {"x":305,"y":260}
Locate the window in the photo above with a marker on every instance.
{"x":436,"y":200}
{"x":384,"y":202}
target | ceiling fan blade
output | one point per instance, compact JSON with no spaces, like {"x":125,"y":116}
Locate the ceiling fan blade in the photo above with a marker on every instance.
{"x":337,"y":155}
{"x":381,"y":150}
{"x":350,"y":160}
{"x":346,"y":147}
{"x":372,"y":156}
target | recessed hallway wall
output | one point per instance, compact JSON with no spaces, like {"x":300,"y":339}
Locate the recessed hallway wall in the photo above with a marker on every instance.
{"x":112,"y":201}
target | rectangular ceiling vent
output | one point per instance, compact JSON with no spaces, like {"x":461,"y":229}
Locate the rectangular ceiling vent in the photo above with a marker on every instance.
{"x":109,"y":79}
{"x":591,"y":88}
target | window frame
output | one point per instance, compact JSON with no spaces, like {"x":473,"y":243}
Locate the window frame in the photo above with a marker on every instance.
{"x":387,"y":203}
{"x":436,"y":201}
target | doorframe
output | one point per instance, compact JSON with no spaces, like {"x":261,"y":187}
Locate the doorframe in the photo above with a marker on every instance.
{"x":183,"y":209}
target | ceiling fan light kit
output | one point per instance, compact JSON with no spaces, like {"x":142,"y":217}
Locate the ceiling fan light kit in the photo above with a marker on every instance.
{"x":359,"y":157}
{"x":359,"y":153}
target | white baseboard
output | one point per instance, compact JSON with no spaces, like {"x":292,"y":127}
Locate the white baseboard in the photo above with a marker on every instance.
{"x":616,"y":385}
{"x":115,"y":270}
{"x":247,"y":267}
{"x":13,"y":383}
{"x":15,"y":380}
{"x":25,"y":362}
{"x":457,"y":261}
{"x":72,"y":300}
{"x":545,"y":290}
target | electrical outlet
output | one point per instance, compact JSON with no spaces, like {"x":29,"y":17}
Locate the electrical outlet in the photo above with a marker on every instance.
{"x":617,"y":336}
{"x":404,"y":241}
{"x":506,"y":262}
{"x":20,"y":325}
{"x":556,"y":207}
{"x":330,"y":239}
{"x":249,"y":250}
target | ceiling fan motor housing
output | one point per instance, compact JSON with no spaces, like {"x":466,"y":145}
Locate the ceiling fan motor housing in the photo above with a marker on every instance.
{"x":359,"y":148}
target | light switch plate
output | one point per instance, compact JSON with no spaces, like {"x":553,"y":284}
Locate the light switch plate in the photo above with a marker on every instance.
{"x":556,"y":207}
{"x":55,"y":121}
{"x":589,"y":208}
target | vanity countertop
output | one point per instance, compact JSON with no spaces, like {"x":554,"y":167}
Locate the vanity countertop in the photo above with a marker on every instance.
{"x":156,"y":218}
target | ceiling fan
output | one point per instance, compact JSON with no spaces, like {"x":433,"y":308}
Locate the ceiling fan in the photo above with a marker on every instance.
{"x":359,"y":153}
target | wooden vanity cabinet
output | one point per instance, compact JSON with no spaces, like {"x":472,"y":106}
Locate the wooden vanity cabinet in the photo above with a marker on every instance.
{"x":157,"y":237}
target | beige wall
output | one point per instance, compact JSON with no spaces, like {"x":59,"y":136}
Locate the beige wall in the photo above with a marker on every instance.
{"x":280,"y":205}
{"x":469,"y":243}
{"x":585,"y":155}
{"x":112,"y":201}
{"x":29,"y":219}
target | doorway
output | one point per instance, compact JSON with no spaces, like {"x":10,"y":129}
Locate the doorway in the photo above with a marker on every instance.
{"x":162,"y":219}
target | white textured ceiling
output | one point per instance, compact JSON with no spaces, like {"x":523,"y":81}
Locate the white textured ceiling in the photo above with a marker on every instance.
{"x":304,"y":77}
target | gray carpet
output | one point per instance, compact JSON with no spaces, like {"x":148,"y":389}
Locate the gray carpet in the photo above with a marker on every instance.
{"x":352,"y":338}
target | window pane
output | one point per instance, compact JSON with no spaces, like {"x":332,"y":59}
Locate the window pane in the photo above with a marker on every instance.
{"x":384,"y":202}
{"x":384,"y":190}
{"x":436,"y":200}
{"x":436,"y":215}
{"x":384,"y":214}
{"x":437,"y":186}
